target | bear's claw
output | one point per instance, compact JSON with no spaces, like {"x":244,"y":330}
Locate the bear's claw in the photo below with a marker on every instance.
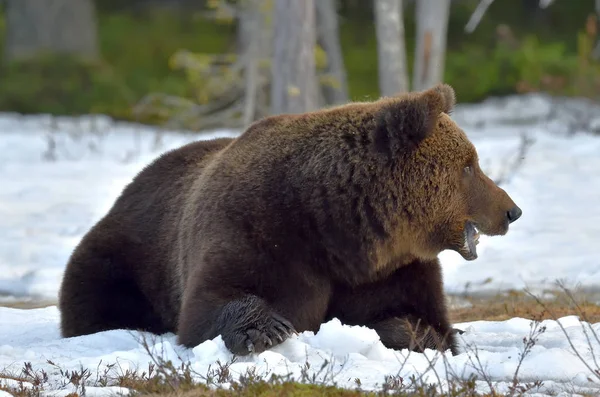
{"x":276,"y":331}
{"x":284,"y":325}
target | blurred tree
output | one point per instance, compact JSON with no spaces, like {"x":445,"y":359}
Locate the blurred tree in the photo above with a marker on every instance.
{"x":294,"y":84}
{"x":254,"y":39}
{"x":50,"y":26}
{"x":432,"y":26}
{"x":335,"y":89}
{"x":391,"y":49}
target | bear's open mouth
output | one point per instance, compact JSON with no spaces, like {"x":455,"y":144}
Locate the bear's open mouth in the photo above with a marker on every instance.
{"x":471,"y":235}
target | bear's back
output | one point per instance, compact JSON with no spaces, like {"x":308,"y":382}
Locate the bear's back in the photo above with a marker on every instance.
{"x":147,"y":213}
{"x":156,"y":189}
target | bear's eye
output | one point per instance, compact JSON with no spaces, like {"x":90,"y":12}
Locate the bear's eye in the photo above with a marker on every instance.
{"x":468,"y":170}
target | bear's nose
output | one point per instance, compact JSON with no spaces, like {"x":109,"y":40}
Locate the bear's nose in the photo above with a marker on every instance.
{"x":514,"y":213}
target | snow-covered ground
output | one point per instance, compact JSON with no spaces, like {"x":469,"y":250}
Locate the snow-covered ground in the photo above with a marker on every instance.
{"x":346,"y":353}
{"x":58,"y":178}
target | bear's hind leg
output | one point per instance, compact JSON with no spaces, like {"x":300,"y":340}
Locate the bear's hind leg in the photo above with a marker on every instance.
{"x":94,"y":297}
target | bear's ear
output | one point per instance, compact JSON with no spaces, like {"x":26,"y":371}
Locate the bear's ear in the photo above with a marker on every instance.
{"x":404,"y":121}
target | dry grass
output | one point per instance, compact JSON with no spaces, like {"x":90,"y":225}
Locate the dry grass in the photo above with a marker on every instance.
{"x":519,"y":304}
{"x":499,"y":307}
{"x":268,"y":389}
{"x":27,"y":304}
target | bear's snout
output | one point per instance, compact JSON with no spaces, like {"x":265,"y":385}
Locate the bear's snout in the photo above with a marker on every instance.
{"x":513,"y":214}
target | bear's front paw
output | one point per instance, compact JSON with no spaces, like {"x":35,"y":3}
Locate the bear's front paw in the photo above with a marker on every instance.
{"x":259,"y":337}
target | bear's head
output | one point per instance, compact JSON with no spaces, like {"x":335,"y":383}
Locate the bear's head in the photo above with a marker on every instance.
{"x":444,"y":198}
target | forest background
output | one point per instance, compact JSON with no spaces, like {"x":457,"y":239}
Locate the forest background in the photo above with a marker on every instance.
{"x":178,"y":61}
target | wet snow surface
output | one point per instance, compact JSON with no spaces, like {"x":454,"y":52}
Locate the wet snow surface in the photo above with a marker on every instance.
{"x":58,"y":178}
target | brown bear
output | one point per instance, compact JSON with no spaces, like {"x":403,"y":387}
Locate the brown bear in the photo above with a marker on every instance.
{"x":337,"y":213}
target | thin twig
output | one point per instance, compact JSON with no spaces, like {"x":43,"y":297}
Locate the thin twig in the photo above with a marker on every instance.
{"x":585,"y":319}
{"x":480,"y":369}
{"x":528,"y":342}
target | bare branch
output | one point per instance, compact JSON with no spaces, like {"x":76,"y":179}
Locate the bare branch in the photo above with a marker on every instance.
{"x":485,"y":4}
{"x":478,"y":15}
{"x":511,"y":168}
{"x":545,"y":3}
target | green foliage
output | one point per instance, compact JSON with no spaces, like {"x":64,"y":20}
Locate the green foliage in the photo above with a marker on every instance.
{"x":199,"y":69}
{"x":476,"y":72}
{"x":360,"y":59}
{"x":140,"y":47}
{"x":527,"y":65}
{"x":63,"y":85}
{"x":136,"y":52}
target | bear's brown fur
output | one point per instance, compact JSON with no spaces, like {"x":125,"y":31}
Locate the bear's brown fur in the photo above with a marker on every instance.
{"x":338,"y":213}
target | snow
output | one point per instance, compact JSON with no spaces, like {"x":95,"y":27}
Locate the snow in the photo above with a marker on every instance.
{"x":349,"y":353}
{"x":58,"y":177}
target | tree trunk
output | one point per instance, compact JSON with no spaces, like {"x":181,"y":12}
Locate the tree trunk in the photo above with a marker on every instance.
{"x":391,"y":50}
{"x":253,"y":49}
{"x":245,"y":24}
{"x":50,"y":26}
{"x":329,"y":39}
{"x":432,"y":26}
{"x":294,"y":85}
